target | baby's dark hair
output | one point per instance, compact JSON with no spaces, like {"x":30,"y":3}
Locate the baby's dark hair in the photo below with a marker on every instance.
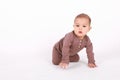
{"x":83,"y":15}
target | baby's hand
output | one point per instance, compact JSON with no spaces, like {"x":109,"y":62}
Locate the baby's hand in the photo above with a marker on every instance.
{"x":63,"y":65}
{"x":91,"y":65}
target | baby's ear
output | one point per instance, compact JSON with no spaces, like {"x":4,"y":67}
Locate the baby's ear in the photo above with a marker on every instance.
{"x":90,"y":28}
{"x":73,"y":25}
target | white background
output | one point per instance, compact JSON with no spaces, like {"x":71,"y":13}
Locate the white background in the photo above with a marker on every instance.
{"x":30,"y":28}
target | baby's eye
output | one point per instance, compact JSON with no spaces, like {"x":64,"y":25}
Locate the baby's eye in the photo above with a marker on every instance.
{"x":77,"y":25}
{"x":84,"y":26}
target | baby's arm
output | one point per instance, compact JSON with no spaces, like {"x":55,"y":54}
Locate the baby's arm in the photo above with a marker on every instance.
{"x":90,"y":54}
{"x":65,"y":51}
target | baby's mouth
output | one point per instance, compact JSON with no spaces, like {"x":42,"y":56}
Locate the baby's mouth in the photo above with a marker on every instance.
{"x":80,"y":32}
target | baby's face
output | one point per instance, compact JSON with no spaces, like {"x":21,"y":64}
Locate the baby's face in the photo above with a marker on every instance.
{"x":81,"y":27}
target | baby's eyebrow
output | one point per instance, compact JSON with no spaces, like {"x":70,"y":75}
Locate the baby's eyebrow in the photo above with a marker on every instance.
{"x":76,"y":23}
{"x":85,"y":24}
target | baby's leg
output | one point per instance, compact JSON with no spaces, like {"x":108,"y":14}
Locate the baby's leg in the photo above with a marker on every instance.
{"x":56,"y":57}
{"x":74,"y":58}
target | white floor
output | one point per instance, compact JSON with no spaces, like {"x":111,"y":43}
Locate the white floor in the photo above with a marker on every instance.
{"x":37,"y":66}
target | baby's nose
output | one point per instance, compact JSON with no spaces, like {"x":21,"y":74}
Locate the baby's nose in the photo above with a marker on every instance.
{"x":80,"y":28}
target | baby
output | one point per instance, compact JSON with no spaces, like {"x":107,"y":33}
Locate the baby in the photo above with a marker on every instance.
{"x":66,"y":49}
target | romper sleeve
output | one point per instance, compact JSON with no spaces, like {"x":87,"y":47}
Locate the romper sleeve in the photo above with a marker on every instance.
{"x":66,"y":48}
{"x":89,"y":51}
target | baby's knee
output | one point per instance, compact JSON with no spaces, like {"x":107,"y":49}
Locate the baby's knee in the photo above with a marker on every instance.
{"x":75,"y":58}
{"x":55,"y":62}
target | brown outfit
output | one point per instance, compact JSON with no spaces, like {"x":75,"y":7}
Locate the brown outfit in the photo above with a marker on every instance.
{"x":67,"y":48}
